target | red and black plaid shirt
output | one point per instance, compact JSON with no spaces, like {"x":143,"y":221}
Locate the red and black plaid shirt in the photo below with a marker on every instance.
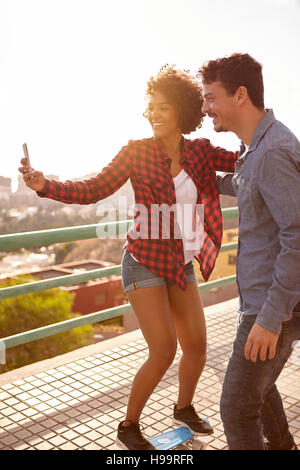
{"x":147,"y":165}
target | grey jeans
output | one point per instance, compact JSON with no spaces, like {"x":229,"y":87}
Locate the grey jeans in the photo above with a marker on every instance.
{"x":251,"y":406}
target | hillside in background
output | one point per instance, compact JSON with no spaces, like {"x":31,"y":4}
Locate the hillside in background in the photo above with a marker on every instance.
{"x":105,"y":250}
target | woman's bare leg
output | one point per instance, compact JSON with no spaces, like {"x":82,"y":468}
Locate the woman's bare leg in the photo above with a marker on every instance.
{"x":151,"y":306}
{"x":188,"y":315}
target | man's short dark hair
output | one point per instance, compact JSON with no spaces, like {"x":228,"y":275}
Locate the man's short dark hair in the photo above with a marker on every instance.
{"x":235,"y":71}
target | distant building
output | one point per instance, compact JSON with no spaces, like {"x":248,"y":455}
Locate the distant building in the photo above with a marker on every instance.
{"x":91,"y":296}
{"x":5,"y":187}
{"x":5,"y":191}
{"x":21,"y":184}
{"x":4,"y":194}
{"x":225,"y":266}
{"x":5,"y":182}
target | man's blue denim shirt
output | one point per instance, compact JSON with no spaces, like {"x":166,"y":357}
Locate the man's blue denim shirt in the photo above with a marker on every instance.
{"x":267,"y":185}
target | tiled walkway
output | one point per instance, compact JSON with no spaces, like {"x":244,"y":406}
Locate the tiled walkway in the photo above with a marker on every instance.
{"x":75,"y":401}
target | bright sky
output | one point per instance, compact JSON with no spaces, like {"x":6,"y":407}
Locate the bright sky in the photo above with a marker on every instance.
{"x":74,"y":72}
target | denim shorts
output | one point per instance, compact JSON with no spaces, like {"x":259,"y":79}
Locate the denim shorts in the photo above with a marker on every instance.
{"x":135,"y":275}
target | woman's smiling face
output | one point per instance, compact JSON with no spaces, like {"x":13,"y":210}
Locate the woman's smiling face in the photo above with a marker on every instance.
{"x":163,"y":116}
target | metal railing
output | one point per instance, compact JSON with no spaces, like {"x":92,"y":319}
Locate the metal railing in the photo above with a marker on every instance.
{"x":49,"y":237}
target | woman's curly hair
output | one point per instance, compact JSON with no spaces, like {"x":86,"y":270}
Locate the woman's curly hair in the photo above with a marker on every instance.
{"x":183,"y":91}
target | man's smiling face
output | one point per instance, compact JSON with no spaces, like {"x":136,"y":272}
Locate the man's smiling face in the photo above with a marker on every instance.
{"x":220,"y":106}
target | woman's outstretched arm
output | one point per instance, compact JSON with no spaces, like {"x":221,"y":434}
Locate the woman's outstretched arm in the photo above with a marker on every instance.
{"x":89,"y":191}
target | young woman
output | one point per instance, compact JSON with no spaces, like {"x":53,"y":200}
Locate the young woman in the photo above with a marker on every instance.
{"x":166,"y":171}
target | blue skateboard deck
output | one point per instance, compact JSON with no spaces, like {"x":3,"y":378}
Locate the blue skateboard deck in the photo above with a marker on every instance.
{"x":171,"y":439}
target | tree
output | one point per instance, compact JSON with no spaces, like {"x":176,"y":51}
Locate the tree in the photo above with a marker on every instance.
{"x":63,"y":250}
{"x":30,"y":311}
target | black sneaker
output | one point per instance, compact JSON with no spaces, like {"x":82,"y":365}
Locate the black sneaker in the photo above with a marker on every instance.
{"x":131,"y":438}
{"x":188,"y":417}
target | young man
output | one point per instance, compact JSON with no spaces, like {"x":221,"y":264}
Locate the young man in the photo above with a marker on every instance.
{"x":267,"y":185}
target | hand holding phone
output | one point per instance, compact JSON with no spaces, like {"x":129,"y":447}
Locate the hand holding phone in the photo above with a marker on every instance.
{"x":26,"y":155}
{"x":33,"y":179}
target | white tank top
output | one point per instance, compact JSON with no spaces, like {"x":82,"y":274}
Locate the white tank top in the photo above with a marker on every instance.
{"x":187,"y":215}
{"x":189,"y":221}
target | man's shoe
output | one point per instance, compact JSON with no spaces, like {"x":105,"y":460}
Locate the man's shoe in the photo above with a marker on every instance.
{"x":188,"y":417}
{"x":131,"y":438}
{"x":269,"y":446}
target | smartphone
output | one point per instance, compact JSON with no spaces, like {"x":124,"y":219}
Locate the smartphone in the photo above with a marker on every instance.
{"x":26,"y":154}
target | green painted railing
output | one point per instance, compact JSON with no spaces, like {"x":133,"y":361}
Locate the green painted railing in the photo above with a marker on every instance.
{"x":16,"y":241}
{"x":47,"y":237}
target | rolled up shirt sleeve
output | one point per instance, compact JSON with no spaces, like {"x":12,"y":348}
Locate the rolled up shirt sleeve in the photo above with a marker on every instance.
{"x":279,"y":185}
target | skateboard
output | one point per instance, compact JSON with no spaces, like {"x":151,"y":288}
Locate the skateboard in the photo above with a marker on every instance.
{"x":179,"y":439}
